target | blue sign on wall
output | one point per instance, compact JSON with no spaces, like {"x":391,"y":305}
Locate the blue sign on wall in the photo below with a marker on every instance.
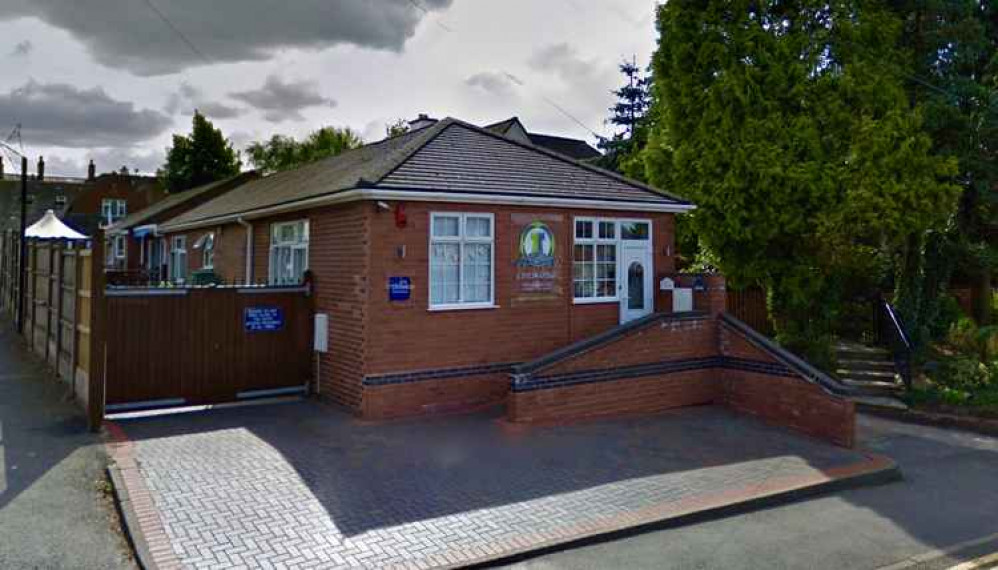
{"x":263,"y":319}
{"x":399,"y":288}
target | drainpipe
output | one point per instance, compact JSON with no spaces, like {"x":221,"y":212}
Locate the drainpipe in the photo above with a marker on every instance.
{"x":249,"y":249}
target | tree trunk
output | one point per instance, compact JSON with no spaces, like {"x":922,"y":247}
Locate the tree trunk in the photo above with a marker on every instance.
{"x":981,"y":296}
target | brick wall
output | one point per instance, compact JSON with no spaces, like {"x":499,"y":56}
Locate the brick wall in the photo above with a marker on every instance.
{"x":230,"y":253}
{"x":410,"y":337}
{"x":793,"y":403}
{"x":641,"y":395}
{"x":671,"y":362}
{"x":671,"y":339}
{"x":339,"y":249}
{"x":435,"y":396}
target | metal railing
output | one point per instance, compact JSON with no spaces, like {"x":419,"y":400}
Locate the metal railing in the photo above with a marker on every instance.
{"x":892,"y":334}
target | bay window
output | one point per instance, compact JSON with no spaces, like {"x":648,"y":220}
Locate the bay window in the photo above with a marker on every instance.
{"x":288,"y":252}
{"x":462,"y":260}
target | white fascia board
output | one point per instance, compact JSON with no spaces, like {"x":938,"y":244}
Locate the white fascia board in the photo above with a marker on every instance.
{"x":416,"y":196}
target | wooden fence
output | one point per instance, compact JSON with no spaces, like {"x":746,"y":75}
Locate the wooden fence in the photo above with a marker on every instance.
{"x":10,"y":245}
{"x":58,"y":311}
{"x":171,"y":347}
{"x":121,"y":348}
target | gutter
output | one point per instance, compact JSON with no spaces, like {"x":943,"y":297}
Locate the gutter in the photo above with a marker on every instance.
{"x":249,"y":249}
{"x":357,"y":194}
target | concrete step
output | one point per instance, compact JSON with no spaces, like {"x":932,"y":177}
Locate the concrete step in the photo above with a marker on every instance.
{"x":866,"y":364}
{"x":853,"y":350}
{"x":870,"y":388}
{"x":870,"y":375}
{"x":878,"y":402}
{"x":874,"y":354}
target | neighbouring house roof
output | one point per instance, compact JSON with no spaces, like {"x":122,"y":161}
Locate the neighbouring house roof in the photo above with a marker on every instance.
{"x":449,"y":161}
{"x":55,"y":195}
{"x":51,"y":227}
{"x":151,"y":214}
{"x":575,"y":148}
{"x":572,"y":148}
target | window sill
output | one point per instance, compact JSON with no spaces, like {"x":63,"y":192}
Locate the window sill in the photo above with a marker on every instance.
{"x":469,"y":307}
{"x":598,"y":301}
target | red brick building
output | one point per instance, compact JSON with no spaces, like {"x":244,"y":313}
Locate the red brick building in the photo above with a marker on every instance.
{"x":450,"y":257}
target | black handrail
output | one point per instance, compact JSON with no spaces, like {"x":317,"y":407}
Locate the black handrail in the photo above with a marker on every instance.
{"x":898,"y":341}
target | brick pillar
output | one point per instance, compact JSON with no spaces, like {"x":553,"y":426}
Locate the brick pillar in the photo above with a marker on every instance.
{"x":713,"y":300}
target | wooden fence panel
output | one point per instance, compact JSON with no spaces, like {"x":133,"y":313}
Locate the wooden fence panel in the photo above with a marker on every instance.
{"x":67,"y":315}
{"x":191,"y":346}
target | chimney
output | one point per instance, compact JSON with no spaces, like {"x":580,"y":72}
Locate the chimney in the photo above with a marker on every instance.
{"x":91,"y":171}
{"x":41,"y":168}
{"x":421,"y":122}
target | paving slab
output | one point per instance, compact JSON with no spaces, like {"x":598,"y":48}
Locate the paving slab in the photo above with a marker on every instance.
{"x":303,"y":484}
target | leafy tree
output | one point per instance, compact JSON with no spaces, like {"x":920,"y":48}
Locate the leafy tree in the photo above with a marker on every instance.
{"x":627,"y":114}
{"x":789,"y":125}
{"x":954,"y":76}
{"x":283,"y":152}
{"x":199,"y":158}
{"x":399,"y":127}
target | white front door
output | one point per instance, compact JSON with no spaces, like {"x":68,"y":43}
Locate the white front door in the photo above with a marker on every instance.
{"x":635,"y":282}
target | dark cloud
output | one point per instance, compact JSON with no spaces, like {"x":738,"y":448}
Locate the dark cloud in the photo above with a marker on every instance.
{"x":492,"y":82}
{"x":58,"y":114}
{"x":188,"y":98}
{"x":562,"y":60}
{"x":129,"y":34}
{"x":281,"y":101}
{"x":22,"y":48}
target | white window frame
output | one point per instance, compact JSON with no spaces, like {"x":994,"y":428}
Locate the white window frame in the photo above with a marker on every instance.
{"x":302,"y":243}
{"x":206,"y":243}
{"x":178,"y":245}
{"x":113,"y":209}
{"x":462,"y":240}
{"x":617,"y":241}
{"x":120,"y":251}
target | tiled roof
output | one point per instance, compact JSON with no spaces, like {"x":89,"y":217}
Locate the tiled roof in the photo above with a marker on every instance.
{"x":173,"y":200}
{"x":341,"y":172}
{"x":467,"y":159}
{"x":450,"y":156}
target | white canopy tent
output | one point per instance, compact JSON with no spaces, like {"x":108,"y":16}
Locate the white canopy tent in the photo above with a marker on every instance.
{"x":51,"y":227}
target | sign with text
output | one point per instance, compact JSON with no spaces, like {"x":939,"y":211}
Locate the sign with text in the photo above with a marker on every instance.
{"x":537,"y":266}
{"x":263,"y":319}
{"x":399,"y":288}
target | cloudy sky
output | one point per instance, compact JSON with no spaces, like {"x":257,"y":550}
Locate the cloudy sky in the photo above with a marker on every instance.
{"x":112,"y":79}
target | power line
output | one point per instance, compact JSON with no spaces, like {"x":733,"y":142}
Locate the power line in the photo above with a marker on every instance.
{"x":177,"y":31}
{"x":416,"y":4}
{"x":554,"y":104}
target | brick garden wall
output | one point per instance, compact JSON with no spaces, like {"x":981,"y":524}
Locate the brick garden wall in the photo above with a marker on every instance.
{"x":784,"y":400}
{"x":672,"y":362}
{"x":641,"y":395}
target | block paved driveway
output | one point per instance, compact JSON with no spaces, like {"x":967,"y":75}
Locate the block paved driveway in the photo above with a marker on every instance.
{"x":305,"y":485}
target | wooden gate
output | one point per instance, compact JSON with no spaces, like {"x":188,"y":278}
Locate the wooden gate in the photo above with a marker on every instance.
{"x":174,"y":347}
